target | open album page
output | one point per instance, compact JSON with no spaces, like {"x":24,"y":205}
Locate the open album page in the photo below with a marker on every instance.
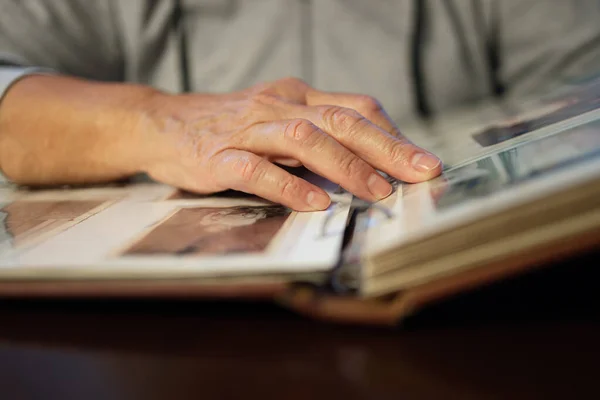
{"x":468,"y":133}
{"x":150,"y":231}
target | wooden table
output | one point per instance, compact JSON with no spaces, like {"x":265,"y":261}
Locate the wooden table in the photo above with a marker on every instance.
{"x":533,"y":337}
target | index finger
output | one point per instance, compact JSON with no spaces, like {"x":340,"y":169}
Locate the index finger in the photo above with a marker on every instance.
{"x":396,"y":156}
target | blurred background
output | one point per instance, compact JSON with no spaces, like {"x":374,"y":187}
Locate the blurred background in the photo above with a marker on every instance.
{"x":417,"y":57}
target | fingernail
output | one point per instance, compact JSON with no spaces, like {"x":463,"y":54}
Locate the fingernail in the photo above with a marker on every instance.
{"x":379,"y":187}
{"x":424,"y":162}
{"x":318,"y":201}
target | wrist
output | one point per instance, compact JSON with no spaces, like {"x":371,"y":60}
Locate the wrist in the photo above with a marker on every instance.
{"x":159,"y":117}
{"x":134,"y":122}
{"x":62,"y":130}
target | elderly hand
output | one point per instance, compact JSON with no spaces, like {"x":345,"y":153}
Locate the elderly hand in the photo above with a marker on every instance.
{"x":61,"y":130}
{"x":210,"y":143}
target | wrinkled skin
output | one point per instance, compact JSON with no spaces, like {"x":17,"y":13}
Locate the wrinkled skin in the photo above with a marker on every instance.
{"x":210,"y":143}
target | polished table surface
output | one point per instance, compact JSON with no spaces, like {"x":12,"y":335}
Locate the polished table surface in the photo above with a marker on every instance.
{"x":537,"y":336}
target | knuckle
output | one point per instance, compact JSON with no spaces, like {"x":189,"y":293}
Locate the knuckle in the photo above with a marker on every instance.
{"x":215,"y":161}
{"x":368,"y":104}
{"x":217,"y":168}
{"x":399,"y":151}
{"x":351,"y":165}
{"x":300,"y":130}
{"x":289,"y":188}
{"x":262,"y":99}
{"x":259,"y":106}
{"x":343,"y":119}
{"x":247,"y":168}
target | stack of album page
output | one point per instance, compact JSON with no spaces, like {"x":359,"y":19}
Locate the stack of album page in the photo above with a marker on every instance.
{"x":520,"y":178}
{"x":521,"y":185}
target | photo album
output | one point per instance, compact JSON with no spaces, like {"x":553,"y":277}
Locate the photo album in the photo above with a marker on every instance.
{"x":520,"y":188}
